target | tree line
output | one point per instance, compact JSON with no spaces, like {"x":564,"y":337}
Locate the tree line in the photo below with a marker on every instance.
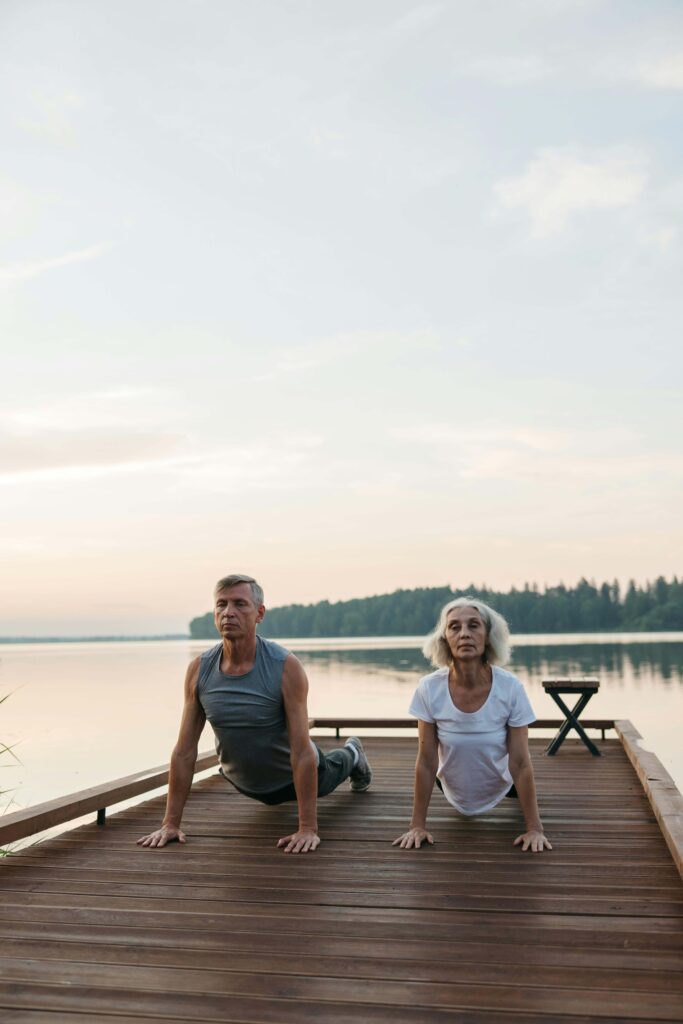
{"x":587,"y":607}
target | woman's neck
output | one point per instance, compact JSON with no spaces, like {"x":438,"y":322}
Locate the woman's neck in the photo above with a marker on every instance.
{"x":470,"y":674}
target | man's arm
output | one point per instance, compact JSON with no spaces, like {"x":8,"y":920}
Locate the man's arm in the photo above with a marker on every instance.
{"x":183,"y":760}
{"x":304,"y":760}
{"x":522,"y":773}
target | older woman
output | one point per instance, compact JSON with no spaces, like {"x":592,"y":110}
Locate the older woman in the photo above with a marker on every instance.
{"x":472,"y":717}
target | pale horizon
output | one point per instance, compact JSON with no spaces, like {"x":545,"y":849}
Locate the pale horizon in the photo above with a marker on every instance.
{"x":347,"y":297}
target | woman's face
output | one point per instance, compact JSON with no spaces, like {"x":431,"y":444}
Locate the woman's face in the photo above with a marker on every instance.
{"x":466,"y":634}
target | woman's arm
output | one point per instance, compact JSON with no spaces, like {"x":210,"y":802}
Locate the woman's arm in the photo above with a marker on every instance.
{"x":523,"y":777}
{"x":426,"y":767}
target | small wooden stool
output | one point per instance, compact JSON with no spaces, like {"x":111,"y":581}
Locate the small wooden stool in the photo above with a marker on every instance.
{"x":585,"y":688}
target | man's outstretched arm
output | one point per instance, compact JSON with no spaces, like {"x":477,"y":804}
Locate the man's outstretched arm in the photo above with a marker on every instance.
{"x":183,"y":760}
{"x":304,"y":759}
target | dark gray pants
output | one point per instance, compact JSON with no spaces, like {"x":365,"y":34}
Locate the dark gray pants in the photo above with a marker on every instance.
{"x":334,"y":767}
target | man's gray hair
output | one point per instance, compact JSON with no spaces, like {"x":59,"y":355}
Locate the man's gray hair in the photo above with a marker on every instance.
{"x":237,"y":577}
{"x":497,"y":650}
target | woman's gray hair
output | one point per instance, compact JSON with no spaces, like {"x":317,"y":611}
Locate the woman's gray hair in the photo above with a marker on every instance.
{"x":497,"y":652}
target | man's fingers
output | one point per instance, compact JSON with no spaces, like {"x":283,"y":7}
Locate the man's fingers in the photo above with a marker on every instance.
{"x":161,"y":838}
{"x":304,"y":844}
{"x":517,"y":841}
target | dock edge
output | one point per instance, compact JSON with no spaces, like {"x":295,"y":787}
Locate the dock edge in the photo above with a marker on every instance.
{"x":660,"y":789}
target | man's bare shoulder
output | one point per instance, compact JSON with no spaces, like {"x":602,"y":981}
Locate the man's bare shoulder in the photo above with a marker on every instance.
{"x":192,"y":676}
{"x":294,"y":678}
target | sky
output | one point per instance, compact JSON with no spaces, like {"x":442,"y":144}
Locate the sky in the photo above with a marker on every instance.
{"x":346,"y":295}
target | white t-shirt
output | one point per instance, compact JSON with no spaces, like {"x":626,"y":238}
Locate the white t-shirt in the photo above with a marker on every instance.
{"x":473,"y":754}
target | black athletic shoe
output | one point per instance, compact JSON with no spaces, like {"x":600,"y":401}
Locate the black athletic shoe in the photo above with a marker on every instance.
{"x":362,"y":774}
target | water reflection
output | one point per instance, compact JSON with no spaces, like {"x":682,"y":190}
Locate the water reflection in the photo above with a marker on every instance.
{"x":614,"y":661}
{"x":386,"y":662}
{"x":662,"y":661}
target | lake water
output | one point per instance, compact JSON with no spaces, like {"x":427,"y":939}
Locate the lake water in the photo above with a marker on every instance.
{"x":85,"y":713}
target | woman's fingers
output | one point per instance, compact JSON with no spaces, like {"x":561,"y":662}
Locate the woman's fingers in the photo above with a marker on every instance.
{"x":413,"y":839}
{"x":533,"y":840}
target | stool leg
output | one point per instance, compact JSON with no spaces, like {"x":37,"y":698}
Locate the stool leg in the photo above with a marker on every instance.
{"x":572,"y":722}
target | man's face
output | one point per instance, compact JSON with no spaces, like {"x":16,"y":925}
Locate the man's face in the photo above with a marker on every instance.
{"x":235,"y":613}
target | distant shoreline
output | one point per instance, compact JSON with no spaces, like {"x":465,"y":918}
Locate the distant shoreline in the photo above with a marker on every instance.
{"x":90,"y":639}
{"x":369,"y":641}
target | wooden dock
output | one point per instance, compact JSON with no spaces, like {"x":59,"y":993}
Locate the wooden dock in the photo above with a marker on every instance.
{"x":227,"y":928}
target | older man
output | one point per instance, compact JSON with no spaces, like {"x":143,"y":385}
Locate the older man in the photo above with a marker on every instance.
{"x":253,"y":694}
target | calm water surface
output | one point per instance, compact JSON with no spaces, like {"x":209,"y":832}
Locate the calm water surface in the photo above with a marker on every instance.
{"x":85,"y":713}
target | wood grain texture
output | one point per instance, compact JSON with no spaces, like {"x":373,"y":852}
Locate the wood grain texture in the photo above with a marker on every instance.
{"x":227,"y":927}
{"x":660,"y":788}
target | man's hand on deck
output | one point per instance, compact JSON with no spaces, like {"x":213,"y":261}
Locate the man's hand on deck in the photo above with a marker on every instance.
{"x":533,"y":840}
{"x":163,"y":835}
{"x":303,"y":841}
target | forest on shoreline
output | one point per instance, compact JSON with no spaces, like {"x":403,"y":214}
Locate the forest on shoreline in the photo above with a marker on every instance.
{"x":586,"y":608}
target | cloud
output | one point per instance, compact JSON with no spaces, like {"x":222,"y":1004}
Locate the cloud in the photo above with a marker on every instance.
{"x":663,"y":72}
{"x":14,"y":274}
{"x":507,"y":69}
{"x":124,"y":408}
{"x":455,"y":438}
{"x":51,"y":117}
{"x":275,"y":463}
{"x":92,"y":451}
{"x":607,"y":458}
{"x":560,"y":182}
{"x":661,"y":238}
{"x":90,"y":434}
{"x":19,"y":207}
{"x":417,"y":18}
{"x":135,"y":430}
{"x":343,"y":346}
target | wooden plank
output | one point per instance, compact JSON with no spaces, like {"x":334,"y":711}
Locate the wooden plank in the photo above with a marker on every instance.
{"x":32,"y":820}
{"x":227,"y":927}
{"x":419,"y":949}
{"x":185,"y":885}
{"x":411,"y":723}
{"x":460,"y":993}
{"x":590,"y":682}
{"x":666,"y":801}
{"x":242,"y":1009}
{"x":293,"y":961}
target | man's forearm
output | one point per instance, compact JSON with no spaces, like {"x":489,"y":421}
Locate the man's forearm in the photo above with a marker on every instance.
{"x":305,"y":772}
{"x":523,"y":778}
{"x":181,"y":773}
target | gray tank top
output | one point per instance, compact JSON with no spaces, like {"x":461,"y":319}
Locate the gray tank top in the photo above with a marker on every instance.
{"x":247,"y":715}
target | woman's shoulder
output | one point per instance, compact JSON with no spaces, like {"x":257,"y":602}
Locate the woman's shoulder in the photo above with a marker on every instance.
{"x":507,"y":683}
{"x":433,"y":682}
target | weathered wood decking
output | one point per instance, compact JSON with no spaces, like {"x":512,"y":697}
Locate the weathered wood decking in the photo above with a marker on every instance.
{"x":227,"y":928}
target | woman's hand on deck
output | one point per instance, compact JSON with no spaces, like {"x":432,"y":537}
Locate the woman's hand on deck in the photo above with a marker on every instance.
{"x":163,"y":835}
{"x":306,"y":840}
{"x":533,"y":840}
{"x":413,"y":839}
